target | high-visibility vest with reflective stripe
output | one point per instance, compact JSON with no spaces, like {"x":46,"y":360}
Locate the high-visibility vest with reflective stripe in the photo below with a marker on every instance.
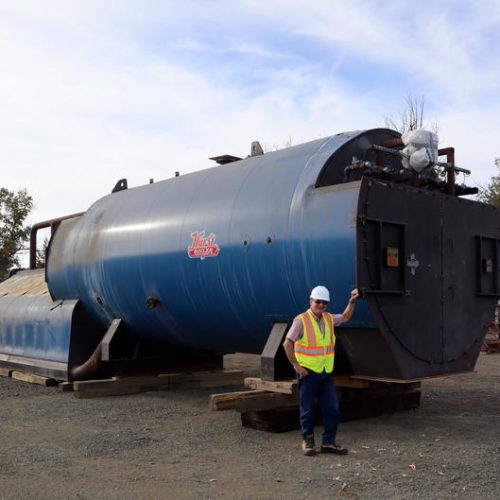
{"x":314,"y":350}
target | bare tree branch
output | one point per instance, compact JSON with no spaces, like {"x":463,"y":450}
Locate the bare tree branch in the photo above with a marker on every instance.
{"x":412,"y":117}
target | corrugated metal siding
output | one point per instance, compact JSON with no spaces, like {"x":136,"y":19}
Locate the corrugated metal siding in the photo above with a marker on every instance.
{"x":32,"y":325}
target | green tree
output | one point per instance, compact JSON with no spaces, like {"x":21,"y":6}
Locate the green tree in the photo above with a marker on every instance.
{"x":41,"y":253}
{"x":491,"y":193}
{"x":14,"y":208}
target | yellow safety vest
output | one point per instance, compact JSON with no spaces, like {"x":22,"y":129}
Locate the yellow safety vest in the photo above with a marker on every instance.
{"x":314,"y":350}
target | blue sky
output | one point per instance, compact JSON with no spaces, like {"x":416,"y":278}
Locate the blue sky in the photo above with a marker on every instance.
{"x":93,"y":91}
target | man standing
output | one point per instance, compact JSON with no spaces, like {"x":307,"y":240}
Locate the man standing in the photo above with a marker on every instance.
{"x":310,"y":347}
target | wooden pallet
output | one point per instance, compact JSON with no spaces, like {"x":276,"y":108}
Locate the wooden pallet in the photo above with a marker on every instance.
{"x":491,"y":345}
{"x":491,"y":341}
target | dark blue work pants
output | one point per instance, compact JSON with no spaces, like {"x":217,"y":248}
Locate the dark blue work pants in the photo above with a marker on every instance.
{"x":320,"y":387}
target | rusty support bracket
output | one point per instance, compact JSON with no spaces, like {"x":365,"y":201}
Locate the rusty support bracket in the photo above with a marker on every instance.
{"x":450,"y":158}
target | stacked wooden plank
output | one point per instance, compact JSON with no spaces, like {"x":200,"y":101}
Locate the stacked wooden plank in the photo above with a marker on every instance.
{"x":273,"y":406}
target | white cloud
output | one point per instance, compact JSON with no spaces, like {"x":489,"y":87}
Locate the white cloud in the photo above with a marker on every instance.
{"x":95,"y":91}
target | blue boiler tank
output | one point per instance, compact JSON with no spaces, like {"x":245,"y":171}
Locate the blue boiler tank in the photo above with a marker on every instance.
{"x":210,"y":261}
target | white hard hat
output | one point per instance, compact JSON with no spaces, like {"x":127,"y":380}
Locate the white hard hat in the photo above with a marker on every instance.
{"x":320,"y":293}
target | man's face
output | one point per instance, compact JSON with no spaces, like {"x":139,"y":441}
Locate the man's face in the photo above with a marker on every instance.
{"x":318,"y":307}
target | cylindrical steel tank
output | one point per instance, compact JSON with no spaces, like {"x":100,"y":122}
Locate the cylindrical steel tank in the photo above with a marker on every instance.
{"x":275,"y":234}
{"x":225,"y":252}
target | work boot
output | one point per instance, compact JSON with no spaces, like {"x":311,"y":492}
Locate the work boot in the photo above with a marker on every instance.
{"x":308,"y":446}
{"x":333,"y":448}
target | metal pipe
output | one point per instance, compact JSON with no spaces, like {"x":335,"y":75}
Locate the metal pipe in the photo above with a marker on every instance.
{"x":450,"y":158}
{"x":91,"y":368}
{"x":392,"y":144}
{"x":41,"y":225}
{"x":386,"y":147}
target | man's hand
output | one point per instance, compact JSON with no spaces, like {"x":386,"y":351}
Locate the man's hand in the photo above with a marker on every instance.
{"x":350,"y":305}
{"x":288,"y":345}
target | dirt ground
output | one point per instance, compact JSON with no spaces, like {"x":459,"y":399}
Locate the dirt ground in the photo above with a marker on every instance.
{"x":168,"y":445}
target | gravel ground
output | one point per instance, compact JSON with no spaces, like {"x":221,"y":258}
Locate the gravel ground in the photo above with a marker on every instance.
{"x":167,"y":445}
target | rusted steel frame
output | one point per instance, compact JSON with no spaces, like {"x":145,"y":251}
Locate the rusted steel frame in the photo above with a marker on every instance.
{"x":414,"y":178}
{"x":450,"y":159}
{"x":41,"y":225}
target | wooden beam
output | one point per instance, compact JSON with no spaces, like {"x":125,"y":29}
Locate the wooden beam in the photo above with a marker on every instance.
{"x":286,"y":418}
{"x":281,"y":386}
{"x":34,"y":379}
{"x":227,"y":400}
{"x":277,"y":420}
{"x":118,"y":387}
{"x":291,"y":386}
{"x":216,"y":378}
{"x":411,"y":380}
{"x":5,"y":372}
{"x":266,"y":401}
{"x":134,"y":385}
{"x":348,"y":381}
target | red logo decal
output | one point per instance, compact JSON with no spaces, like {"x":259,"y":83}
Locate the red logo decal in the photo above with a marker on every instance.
{"x":203,"y":246}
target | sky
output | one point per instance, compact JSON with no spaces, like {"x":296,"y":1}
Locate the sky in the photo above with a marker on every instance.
{"x":95,"y":91}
